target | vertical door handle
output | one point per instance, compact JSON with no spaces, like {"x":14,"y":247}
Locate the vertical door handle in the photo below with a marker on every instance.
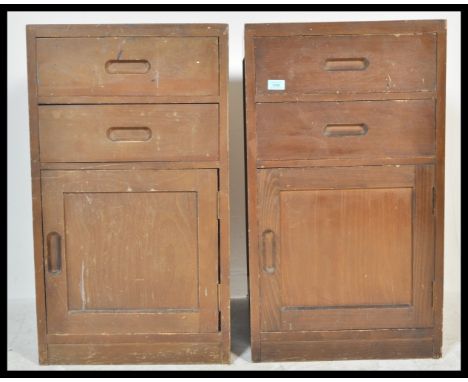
{"x":269,"y":251}
{"x":54,"y":253}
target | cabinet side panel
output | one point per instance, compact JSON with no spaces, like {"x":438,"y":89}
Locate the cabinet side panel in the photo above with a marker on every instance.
{"x":224,"y":207}
{"x":439,"y":192}
{"x":36,"y":196}
{"x":251,"y":188}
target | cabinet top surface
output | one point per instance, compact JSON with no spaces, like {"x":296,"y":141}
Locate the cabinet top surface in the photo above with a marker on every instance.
{"x":355,"y":27}
{"x":102,"y":30}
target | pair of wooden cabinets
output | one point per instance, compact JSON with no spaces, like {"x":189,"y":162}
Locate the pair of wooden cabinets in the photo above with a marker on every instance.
{"x":129,"y":155}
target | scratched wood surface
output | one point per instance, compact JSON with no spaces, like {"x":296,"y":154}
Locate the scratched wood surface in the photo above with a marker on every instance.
{"x":138,"y":250}
{"x":127,"y":66}
{"x":326,"y":189}
{"x":141,"y":353}
{"x":129,"y":159}
{"x":361,"y":237}
{"x":113,"y":133}
{"x":344,"y":130}
{"x":117,"y":263}
{"x":349,"y":251}
{"x":331,"y":64}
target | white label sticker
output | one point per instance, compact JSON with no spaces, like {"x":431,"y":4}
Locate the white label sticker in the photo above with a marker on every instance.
{"x":276,"y":84}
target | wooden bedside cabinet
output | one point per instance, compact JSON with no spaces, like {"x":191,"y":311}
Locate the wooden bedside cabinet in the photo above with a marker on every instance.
{"x":345,"y":181}
{"x":129,"y":156}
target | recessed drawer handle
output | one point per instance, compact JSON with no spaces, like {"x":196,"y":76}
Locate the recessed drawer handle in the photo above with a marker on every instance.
{"x":269,"y":251}
{"x":342,"y":64}
{"x":344,"y":129}
{"x":127,"y":66}
{"x":54,"y":253}
{"x":129,"y":134}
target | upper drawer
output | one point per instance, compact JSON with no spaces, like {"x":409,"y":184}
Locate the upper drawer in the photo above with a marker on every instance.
{"x":331,"y":64}
{"x":360,"y":129}
{"x":98,"y":133}
{"x":127,"y":66}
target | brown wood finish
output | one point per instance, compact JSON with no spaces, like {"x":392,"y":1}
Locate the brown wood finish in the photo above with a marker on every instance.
{"x":90,"y":133}
{"x":345,"y":334}
{"x":359,"y":349}
{"x":224,"y":293}
{"x":350,"y":252}
{"x":345,"y":129}
{"x":132,"y":338}
{"x":129,"y":165}
{"x":130,"y":180}
{"x":347,"y":162}
{"x":127,"y":66}
{"x":336,"y":64}
{"x":63,"y":100}
{"x":440,"y":193}
{"x":163,"y":221}
{"x":359,"y":260}
{"x":345,"y":260}
{"x":139,"y":353}
{"x":36,"y":198}
{"x":319,"y":97}
{"x":345,"y":28}
{"x":130,"y":30}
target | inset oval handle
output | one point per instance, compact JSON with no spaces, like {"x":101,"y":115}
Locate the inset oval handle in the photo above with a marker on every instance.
{"x":269,"y":251}
{"x":54,"y":253}
{"x":345,"y":129}
{"x":129,"y":134}
{"x":344,"y":64}
{"x":127,"y":66}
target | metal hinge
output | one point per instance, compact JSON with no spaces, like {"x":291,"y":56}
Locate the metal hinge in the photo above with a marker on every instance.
{"x":218,"y":207}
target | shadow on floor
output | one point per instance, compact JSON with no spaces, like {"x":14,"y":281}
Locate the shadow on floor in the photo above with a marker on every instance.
{"x":240,"y":331}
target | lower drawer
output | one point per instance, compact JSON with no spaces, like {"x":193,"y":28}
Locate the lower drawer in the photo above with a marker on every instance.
{"x":360,"y":129}
{"x":107,"y":133}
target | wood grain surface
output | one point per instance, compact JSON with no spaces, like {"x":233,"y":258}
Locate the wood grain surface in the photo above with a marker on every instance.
{"x":161,"y":66}
{"x":347,"y":247}
{"x":344,"y":168}
{"x":320,"y":269}
{"x":139,"y":251}
{"x":384,"y":129}
{"x":116,"y":133}
{"x":387,"y":63}
{"x":129,"y":158}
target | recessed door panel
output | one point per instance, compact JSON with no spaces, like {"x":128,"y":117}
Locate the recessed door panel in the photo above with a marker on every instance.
{"x":346,"y":248}
{"x":131,"y":251}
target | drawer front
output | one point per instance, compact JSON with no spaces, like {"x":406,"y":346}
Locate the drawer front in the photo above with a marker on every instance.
{"x":330,"y":64}
{"x":127,"y":66}
{"x":94,"y":133}
{"x":345,"y":129}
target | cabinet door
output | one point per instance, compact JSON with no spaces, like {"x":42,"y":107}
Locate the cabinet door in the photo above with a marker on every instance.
{"x":131,"y":251}
{"x":346,"y":247}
